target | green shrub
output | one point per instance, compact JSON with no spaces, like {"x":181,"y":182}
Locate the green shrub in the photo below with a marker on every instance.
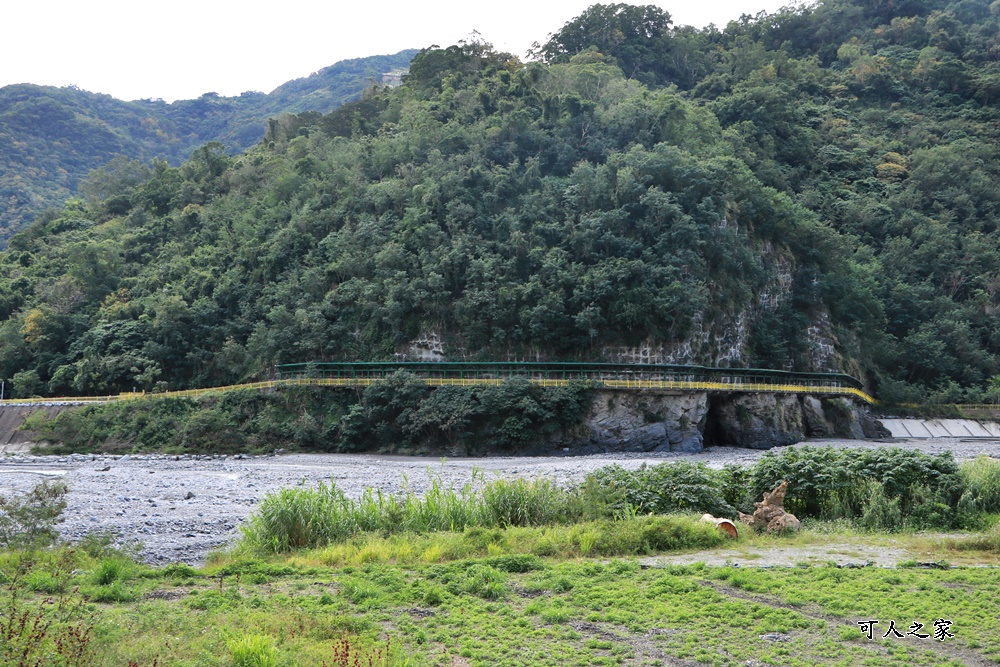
{"x":669,"y":487}
{"x":433,"y":596}
{"x":828,"y":482}
{"x":28,"y":520}
{"x":358,"y":591}
{"x":881,"y":513}
{"x":179,"y":571}
{"x":295,"y":518}
{"x":515,"y":563}
{"x":251,"y":566}
{"x":647,"y":535}
{"x":46,"y":582}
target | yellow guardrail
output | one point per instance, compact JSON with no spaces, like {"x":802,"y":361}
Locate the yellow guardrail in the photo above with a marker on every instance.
{"x":676,"y":385}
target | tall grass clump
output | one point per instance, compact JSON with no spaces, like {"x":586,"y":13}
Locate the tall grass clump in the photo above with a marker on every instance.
{"x":880,"y":489}
{"x":298,"y":518}
{"x":981,"y":478}
{"x":252,"y":651}
{"x":112,"y":569}
{"x":522,"y":502}
{"x":295,"y":518}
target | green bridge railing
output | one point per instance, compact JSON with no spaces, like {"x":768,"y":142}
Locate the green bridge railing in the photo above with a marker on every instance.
{"x":612,"y":375}
{"x":460,"y":373}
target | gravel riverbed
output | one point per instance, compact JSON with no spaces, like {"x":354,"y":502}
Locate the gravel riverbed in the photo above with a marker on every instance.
{"x":181,"y":508}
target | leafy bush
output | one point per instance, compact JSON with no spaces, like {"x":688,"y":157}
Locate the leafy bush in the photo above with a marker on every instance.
{"x":837,"y":482}
{"x":669,"y":487}
{"x":236,"y":421}
{"x":29,"y":520}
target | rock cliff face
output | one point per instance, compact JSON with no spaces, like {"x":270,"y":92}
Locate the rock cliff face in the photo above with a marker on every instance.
{"x":650,"y":421}
{"x":763,"y":421}
{"x":629,"y":421}
{"x":758,"y":421}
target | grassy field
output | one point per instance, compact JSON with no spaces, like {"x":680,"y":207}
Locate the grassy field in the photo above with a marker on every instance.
{"x":616,"y":571}
{"x":482,"y":598}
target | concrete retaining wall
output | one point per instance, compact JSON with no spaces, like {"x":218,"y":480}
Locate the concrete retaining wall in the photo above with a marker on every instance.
{"x":941,"y":428}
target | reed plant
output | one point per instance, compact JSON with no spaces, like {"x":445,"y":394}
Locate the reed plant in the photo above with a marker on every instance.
{"x":295,"y":518}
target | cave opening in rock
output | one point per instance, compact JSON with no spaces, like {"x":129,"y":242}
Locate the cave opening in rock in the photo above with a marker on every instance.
{"x":714,"y":434}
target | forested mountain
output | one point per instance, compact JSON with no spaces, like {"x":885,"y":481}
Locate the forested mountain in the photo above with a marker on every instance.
{"x":51,"y":137}
{"x":813,"y":190}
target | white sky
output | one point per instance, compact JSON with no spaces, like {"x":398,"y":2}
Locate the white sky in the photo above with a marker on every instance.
{"x":179,"y":49}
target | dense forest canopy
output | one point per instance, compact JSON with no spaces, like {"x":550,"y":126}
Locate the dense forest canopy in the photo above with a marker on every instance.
{"x":51,"y":137}
{"x":813,"y":189}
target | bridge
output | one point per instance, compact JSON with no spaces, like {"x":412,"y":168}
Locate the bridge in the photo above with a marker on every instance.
{"x":676,"y":377}
{"x":668,"y":377}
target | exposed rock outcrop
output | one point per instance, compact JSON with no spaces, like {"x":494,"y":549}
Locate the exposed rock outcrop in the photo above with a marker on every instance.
{"x":648,"y":421}
{"x":645,"y":421}
{"x":763,"y":421}
{"x":758,"y":421}
{"x":12,"y":438}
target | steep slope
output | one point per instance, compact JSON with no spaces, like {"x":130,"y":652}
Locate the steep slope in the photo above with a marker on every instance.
{"x":810,"y":190}
{"x":558,"y":211}
{"x":51,"y":137}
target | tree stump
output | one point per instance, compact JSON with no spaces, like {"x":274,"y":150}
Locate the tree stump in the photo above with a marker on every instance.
{"x":770,"y":514}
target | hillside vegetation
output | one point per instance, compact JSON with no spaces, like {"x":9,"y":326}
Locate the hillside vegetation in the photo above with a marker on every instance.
{"x":51,"y":137}
{"x":807,"y":190}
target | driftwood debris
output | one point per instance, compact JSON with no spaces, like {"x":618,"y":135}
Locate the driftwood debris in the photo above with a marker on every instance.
{"x":770,"y":514}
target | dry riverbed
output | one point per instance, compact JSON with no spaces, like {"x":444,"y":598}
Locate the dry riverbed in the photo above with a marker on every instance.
{"x":182,"y":508}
